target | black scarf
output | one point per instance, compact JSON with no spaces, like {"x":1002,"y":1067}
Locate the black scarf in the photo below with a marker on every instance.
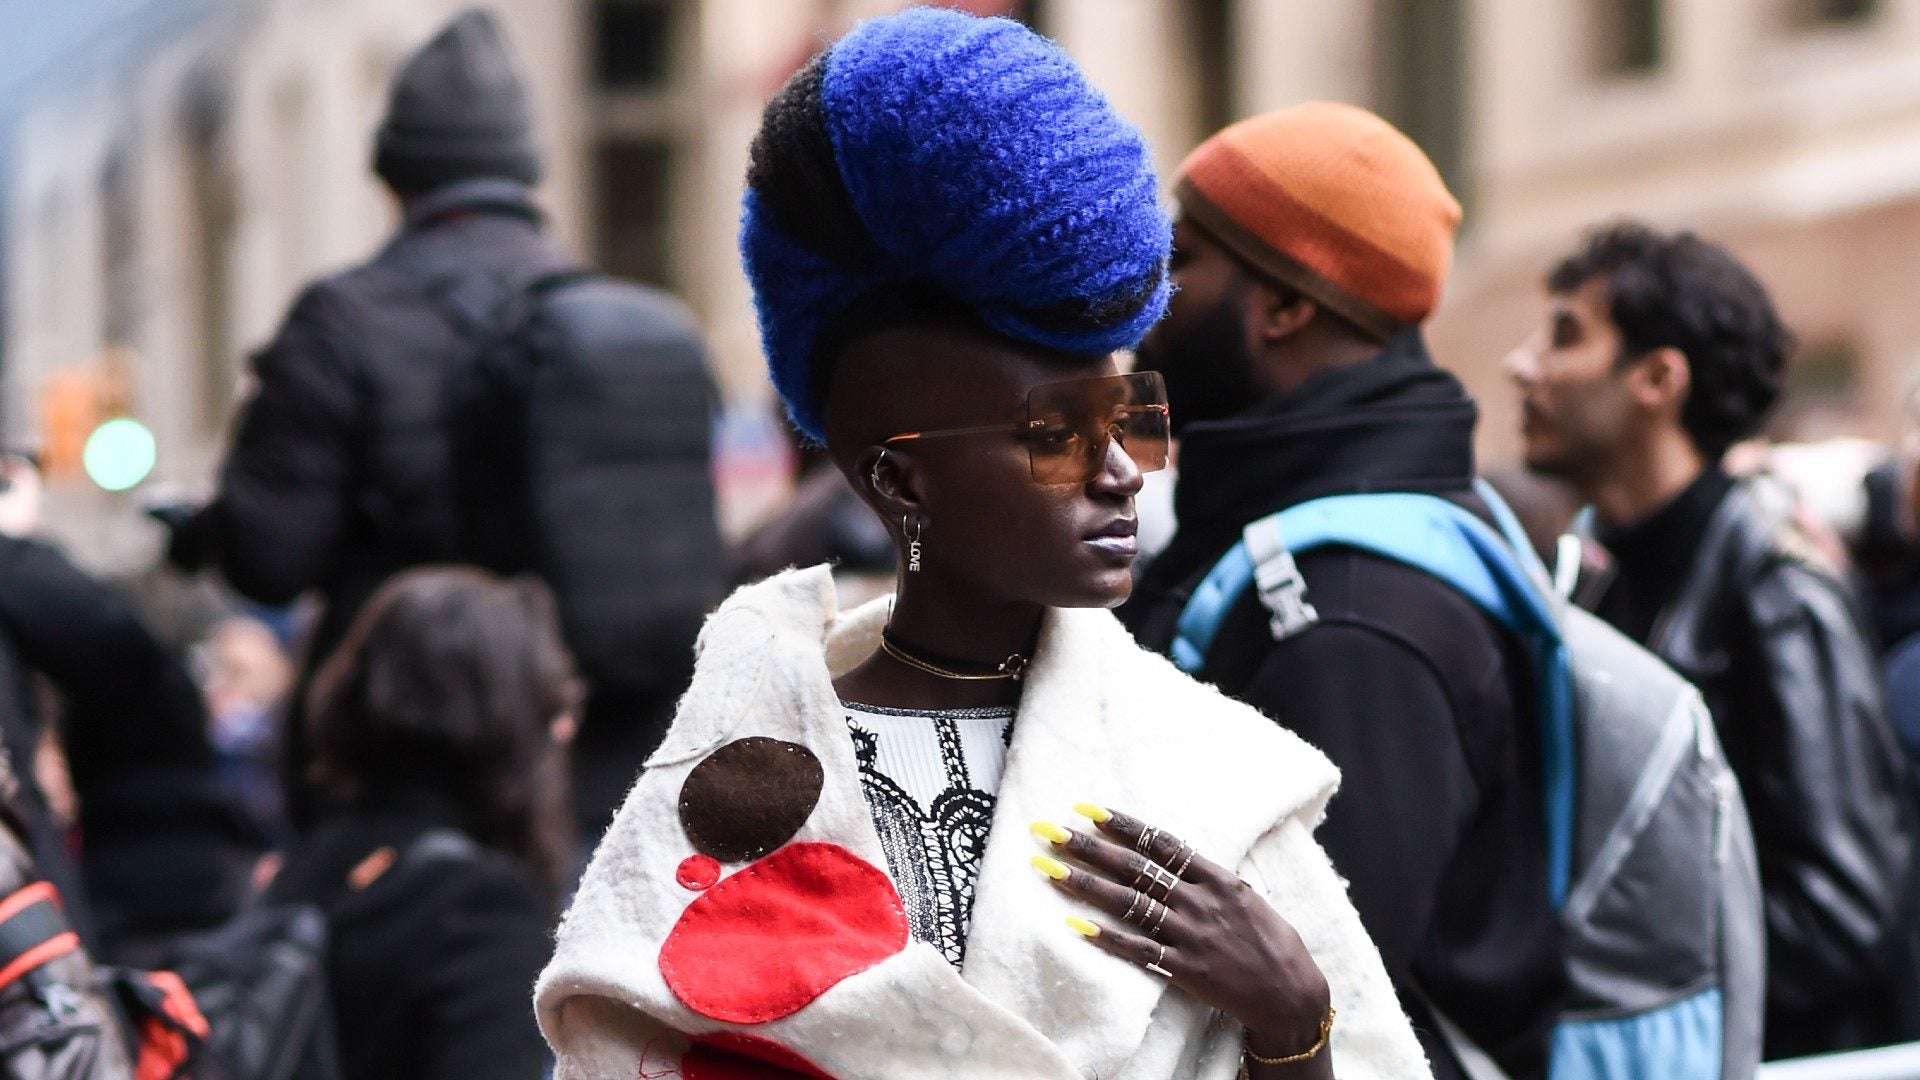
{"x":1392,"y":423}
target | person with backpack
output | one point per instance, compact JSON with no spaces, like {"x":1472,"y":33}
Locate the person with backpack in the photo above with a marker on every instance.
{"x":1311,"y":243}
{"x":1660,"y":351}
{"x":470,"y":395}
{"x":438,"y":731}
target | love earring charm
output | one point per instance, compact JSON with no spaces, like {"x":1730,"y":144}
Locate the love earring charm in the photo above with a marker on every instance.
{"x":913,"y":542}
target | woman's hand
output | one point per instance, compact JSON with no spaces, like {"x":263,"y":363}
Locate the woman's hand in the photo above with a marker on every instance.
{"x":1178,"y":913}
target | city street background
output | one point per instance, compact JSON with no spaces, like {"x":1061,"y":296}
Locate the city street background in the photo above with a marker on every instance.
{"x":174,"y":170}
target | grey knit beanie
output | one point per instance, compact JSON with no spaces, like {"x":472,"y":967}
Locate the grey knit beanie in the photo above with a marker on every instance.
{"x":458,"y":111}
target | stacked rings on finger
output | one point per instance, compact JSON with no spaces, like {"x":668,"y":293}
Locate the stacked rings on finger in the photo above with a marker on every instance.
{"x":1186,"y":860}
{"x":1146,"y":914}
{"x":1162,"y":877}
{"x":1144,"y":845}
{"x":1154,"y":930}
{"x":1137,"y":897}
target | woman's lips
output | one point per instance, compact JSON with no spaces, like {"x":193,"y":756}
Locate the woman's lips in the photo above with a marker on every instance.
{"x":1117,"y":547}
{"x":1116,"y":539}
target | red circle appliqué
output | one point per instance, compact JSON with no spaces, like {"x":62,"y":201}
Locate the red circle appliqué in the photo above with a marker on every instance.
{"x":698,"y":872}
{"x":766,"y":941}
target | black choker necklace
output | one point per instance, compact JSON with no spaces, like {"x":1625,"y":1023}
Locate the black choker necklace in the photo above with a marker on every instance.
{"x":933,"y":663}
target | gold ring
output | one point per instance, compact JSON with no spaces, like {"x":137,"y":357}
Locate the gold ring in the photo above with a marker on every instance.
{"x":1156,"y":967}
{"x":1145,"y":841}
{"x":1172,"y":884}
{"x":1146,"y":864}
{"x":1186,"y":861}
{"x":1154,"y":932}
{"x":1159,"y":877}
{"x":1128,"y":917}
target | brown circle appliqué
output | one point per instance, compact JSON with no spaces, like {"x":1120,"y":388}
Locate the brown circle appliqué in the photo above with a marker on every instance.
{"x":749,"y":797}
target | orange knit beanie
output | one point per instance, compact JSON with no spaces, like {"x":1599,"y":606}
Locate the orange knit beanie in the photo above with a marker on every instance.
{"x":1330,"y":200}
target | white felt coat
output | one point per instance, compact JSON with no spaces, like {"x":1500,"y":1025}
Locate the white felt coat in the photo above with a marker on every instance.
{"x":1100,"y":720}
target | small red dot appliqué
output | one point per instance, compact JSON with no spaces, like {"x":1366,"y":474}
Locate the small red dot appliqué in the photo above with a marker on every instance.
{"x":698,"y":872}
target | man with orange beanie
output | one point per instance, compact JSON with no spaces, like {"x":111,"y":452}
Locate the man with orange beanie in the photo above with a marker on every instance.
{"x":1311,"y":244}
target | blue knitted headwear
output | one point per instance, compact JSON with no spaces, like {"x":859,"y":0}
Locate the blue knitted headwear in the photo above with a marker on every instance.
{"x":964,"y":156}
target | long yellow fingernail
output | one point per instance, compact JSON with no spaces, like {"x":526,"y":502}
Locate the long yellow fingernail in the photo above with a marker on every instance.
{"x":1053,"y":868}
{"x":1051,"y":833}
{"x":1083,"y":927}
{"x":1091,"y":812}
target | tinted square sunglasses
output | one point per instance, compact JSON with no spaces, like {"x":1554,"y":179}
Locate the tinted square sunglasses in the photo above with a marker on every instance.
{"x":1069,"y":426}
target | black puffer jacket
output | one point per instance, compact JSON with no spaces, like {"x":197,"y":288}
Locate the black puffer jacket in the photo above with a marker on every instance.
{"x":1722,"y":585}
{"x":431,"y":955}
{"x":338,"y":476}
{"x":1420,"y":699}
{"x":341,"y":470}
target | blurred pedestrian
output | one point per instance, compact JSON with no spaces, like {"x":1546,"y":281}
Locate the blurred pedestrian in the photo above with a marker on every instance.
{"x":374,"y":442}
{"x":245,"y":678}
{"x":160,"y":849}
{"x":437,"y":731}
{"x":1660,"y":351}
{"x":1311,"y":244}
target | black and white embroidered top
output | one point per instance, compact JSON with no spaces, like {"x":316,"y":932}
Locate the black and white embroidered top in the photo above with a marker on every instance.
{"x":931,"y":780}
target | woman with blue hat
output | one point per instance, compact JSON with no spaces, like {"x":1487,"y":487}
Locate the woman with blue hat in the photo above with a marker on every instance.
{"x":971,"y":829}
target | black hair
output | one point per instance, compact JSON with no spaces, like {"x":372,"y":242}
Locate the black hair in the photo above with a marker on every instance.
{"x":451,"y":678}
{"x":791,"y":167}
{"x":1679,"y":291}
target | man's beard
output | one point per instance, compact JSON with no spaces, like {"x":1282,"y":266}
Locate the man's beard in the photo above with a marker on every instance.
{"x":1208,"y":367}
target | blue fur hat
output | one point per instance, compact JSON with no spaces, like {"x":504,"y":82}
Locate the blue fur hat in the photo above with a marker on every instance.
{"x":966,"y":155}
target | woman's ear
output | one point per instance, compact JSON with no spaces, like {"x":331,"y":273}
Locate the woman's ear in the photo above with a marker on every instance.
{"x":885,"y":479}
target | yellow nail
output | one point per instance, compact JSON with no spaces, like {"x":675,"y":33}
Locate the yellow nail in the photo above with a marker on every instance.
{"x":1083,"y":927}
{"x":1091,"y":812}
{"x":1051,"y":833}
{"x":1053,"y":868}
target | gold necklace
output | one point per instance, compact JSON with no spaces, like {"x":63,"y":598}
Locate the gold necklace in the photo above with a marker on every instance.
{"x":1013,"y":667}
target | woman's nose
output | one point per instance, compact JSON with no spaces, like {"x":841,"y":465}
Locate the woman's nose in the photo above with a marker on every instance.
{"x":1118,"y":474}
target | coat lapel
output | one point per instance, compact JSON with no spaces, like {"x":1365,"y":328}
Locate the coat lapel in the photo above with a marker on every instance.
{"x":1019,"y":949}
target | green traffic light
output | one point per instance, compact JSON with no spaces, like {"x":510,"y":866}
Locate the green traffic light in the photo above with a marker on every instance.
{"x":119,"y":454}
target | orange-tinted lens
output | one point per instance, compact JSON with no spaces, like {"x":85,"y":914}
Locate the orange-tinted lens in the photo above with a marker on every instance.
{"x":1071,"y":423}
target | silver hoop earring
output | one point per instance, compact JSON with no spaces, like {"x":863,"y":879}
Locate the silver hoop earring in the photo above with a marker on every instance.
{"x":913,"y":542}
{"x":876,"y":469}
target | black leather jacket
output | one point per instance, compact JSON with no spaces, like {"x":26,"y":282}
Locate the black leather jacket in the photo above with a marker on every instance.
{"x":1775,"y":644}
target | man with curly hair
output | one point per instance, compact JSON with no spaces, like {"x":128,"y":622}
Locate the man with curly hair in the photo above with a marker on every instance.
{"x":1660,"y":351}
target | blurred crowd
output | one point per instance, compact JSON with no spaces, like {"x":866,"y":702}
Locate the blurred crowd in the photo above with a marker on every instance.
{"x":448,"y":588}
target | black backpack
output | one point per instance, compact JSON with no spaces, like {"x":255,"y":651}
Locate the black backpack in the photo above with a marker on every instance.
{"x":260,"y":982}
{"x":581,"y":431}
{"x":244,"y":1001}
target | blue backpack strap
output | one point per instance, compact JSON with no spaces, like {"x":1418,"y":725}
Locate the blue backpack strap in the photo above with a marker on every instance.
{"x":1435,"y":536}
{"x":1260,"y":557}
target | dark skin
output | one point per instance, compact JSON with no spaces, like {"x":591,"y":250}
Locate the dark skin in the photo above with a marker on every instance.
{"x":1233,"y":338}
{"x":998,"y":549}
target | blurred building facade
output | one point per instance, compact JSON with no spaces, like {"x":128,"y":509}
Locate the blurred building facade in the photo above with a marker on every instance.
{"x":169,"y":197}
{"x":174,"y":177}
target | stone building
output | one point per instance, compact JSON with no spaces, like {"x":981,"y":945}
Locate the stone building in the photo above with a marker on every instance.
{"x":171,"y":191}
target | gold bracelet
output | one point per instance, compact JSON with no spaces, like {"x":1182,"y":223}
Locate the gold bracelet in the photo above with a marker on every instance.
{"x":1326,"y":1032}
